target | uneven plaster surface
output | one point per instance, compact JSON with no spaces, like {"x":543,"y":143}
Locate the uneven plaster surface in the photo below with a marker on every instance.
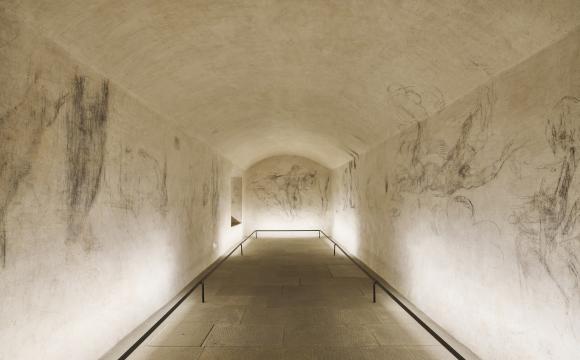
{"x":320,"y":79}
{"x":286,"y":192}
{"x":104,"y":214}
{"x":472,"y":214}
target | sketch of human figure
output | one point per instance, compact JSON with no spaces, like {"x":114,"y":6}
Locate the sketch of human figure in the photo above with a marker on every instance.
{"x":444,"y":171}
{"x":547,"y":222}
{"x":285,"y":191}
{"x":349,"y":185}
{"x":21,"y":130}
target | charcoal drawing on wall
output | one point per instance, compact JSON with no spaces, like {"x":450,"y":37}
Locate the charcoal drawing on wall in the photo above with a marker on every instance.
{"x":350,"y":185}
{"x":413,"y":104}
{"x":285,"y":190}
{"x":142,"y":181}
{"x":21,"y":130}
{"x":442,"y":169}
{"x":86,"y":133}
{"x":211,"y":190}
{"x":548,"y":233}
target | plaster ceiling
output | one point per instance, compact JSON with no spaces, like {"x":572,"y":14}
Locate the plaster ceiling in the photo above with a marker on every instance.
{"x":316,"y":78}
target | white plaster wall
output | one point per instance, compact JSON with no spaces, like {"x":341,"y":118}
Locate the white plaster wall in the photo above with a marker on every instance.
{"x":106,"y":212}
{"x":286,"y":192}
{"x":472,"y":213}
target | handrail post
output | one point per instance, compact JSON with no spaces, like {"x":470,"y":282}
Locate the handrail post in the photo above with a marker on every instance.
{"x":319,"y":234}
{"x":334,"y":249}
{"x":202,"y":291}
{"x":242,"y":249}
{"x":374,"y":291}
{"x":256,"y":234}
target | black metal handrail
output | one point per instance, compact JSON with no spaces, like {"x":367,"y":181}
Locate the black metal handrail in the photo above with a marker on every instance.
{"x":376,"y":279}
{"x":200,"y":280}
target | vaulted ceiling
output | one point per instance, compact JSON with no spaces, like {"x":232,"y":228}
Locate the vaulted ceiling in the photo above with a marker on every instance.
{"x":316,"y":78}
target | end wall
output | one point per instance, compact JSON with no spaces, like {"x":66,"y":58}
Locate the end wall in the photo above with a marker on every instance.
{"x":286,"y":192}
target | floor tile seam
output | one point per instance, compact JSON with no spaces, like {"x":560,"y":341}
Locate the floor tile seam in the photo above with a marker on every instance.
{"x":203,"y":343}
{"x":374,"y":337}
{"x":243,"y":315}
{"x":283,"y":334}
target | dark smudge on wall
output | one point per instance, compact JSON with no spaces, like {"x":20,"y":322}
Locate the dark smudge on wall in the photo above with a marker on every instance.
{"x":86,"y":133}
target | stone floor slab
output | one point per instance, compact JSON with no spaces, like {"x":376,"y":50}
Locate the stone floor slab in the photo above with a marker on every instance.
{"x":166,"y":353}
{"x":245,"y":335}
{"x":181,"y":334}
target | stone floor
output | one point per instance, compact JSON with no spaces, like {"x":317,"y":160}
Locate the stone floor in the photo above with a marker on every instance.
{"x":289,"y":299}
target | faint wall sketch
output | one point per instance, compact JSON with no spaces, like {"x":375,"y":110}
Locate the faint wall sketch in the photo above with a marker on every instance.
{"x":142,"y":180}
{"x":349,"y":185}
{"x":285,"y":191}
{"x":211,"y":193}
{"x":413,"y":104}
{"x":457,"y":215}
{"x":376,"y":190}
{"x":547,"y":221}
{"x":86,"y":132}
{"x":323,"y":189}
{"x":21,"y":130}
{"x":443,"y":169}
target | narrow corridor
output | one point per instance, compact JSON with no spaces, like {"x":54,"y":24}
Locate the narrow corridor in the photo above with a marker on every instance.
{"x":289,"y":299}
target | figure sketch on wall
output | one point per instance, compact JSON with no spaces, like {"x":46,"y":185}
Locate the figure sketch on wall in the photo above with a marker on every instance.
{"x":413,"y":104}
{"x":349,"y":185}
{"x":458,"y":215}
{"x":376,"y":191}
{"x":142,"y":179}
{"x":211,"y":192}
{"x":323,"y":189}
{"x":285,"y":190}
{"x":21,"y":130}
{"x":443,"y":170}
{"x":547,"y":221}
{"x":86,"y":132}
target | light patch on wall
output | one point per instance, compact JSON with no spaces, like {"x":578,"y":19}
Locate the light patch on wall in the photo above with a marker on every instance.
{"x":347,"y":230}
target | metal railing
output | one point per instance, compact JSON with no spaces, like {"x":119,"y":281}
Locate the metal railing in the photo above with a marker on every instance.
{"x":199,"y":281}
{"x":336,"y":245}
{"x":376,"y":280}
